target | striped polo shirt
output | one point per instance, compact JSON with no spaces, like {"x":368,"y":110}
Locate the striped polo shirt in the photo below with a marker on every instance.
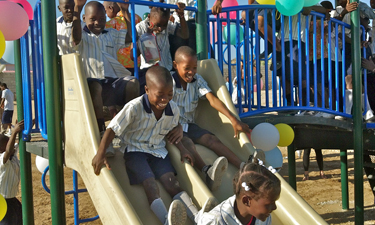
{"x":9,"y":176}
{"x":294,"y":28}
{"x":99,"y":53}
{"x":162,"y":42}
{"x":64,"y":32}
{"x":138,"y":129}
{"x":187,"y":100}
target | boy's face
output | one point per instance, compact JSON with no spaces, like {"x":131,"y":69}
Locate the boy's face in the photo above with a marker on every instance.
{"x":66,"y":8}
{"x":2,"y":88}
{"x":109,"y":10}
{"x":186,"y":67}
{"x":158,"y":23}
{"x":159,"y":95}
{"x":95,"y":19}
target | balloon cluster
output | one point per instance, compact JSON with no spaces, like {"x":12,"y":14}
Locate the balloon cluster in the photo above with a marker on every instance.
{"x":292,"y":7}
{"x":13,"y":27}
{"x":3,"y":207}
{"x":41,"y":164}
{"x":267,"y":137}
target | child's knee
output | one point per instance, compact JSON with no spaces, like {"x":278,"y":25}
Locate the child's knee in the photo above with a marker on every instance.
{"x":170,"y":183}
{"x":188,"y":143}
{"x":132,"y":87}
{"x":211,"y":140}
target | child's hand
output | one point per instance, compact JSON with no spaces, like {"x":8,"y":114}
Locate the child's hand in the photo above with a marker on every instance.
{"x":240,"y":126}
{"x":216,"y":9}
{"x":351,"y":6}
{"x":180,"y":10}
{"x":368,"y":64}
{"x":19,"y":127}
{"x":175,"y":135}
{"x":123,"y":6}
{"x":171,"y":18}
{"x":185,"y":154}
{"x":80,"y":3}
{"x":98,"y":161}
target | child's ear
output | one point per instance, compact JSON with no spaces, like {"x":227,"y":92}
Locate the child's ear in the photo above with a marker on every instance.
{"x":246,"y":200}
{"x":83,"y":17}
{"x":175,"y":65}
{"x":58,"y":7}
{"x":146,"y":89}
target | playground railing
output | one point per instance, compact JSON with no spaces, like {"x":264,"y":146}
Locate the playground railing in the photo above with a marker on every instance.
{"x":287,"y":86}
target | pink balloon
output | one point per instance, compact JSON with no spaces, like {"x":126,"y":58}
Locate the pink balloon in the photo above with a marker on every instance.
{"x":215,"y":32}
{"x":233,"y":14}
{"x":14,"y":20}
{"x":26,"y":6}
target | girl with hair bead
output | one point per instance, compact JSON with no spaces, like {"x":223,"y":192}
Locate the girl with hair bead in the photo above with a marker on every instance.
{"x":256,"y":191}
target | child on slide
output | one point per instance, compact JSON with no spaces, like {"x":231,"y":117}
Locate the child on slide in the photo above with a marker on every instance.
{"x":256,"y":191}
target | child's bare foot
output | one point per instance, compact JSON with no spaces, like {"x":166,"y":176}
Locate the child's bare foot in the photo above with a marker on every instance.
{"x":305,"y":177}
{"x":322,"y":175}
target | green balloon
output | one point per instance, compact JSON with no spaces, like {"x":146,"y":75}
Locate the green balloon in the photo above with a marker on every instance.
{"x":145,"y":16}
{"x":233,"y":34}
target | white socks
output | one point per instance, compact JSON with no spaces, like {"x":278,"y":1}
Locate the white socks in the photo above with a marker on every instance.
{"x":191,"y":209}
{"x":349,"y":104}
{"x":158,"y":207}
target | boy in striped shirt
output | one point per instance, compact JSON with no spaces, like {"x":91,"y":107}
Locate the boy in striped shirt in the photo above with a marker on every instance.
{"x":10,"y":176}
{"x":189,"y":87}
{"x":142,"y":125}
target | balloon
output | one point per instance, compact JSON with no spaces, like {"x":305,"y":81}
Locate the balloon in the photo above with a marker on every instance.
{"x":261,"y":86}
{"x":145,"y":16}
{"x":233,"y":34}
{"x":265,"y":136}
{"x":41,"y":163}
{"x":14,"y":20}
{"x":215,"y":32}
{"x":26,"y":6}
{"x":267,"y":2}
{"x":289,"y":7}
{"x":8,"y":55}
{"x":3,"y":207}
{"x":274,"y":157}
{"x":286,"y":134}
{"x":309,"y":3}
{"x":233,"y":14}
{"x":2,"y":44}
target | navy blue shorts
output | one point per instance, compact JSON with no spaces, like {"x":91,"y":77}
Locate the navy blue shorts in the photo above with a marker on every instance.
{"x":7,"y":117}
{"x":195,"y":132}
{"x":140,"y":166}
{"x":113,"y":89}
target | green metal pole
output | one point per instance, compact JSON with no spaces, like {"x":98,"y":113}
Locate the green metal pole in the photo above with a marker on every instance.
{"x":292,"y":166}
{"x":201,"y":30}
{"x":25,"y":157}
{"x":357,"y":117}
{"x":344,"y":179}
{"x":53,"y":109}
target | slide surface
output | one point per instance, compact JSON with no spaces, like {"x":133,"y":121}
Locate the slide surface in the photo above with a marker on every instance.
{"x":115,"y":200}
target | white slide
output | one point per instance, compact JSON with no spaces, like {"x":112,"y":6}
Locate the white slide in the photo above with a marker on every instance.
{"x":118,"y":202}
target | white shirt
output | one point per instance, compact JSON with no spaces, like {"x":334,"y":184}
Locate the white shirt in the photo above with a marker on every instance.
{"x":64,"y":33}
{"x":162,"y":42}
{"x":234,"y":93}
{"x":187,"y":100}
{"x":294,"y":28}
{"x":99,"y":53}
{"x":189,"y":15}
{"x":9,"y":176}
{"x":137,"y":127}
{"x":223,"y":214}
{"x":9,"y":98}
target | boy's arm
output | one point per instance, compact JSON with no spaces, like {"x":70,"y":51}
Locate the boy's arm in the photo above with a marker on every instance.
{"x":175,"y":135}
{"x":2,"y":103}
{"x":183,"y":31}
{"x":9,"y":150}
{"x":350,"y":7}
{"x":99,"y":159}
{"x":219,"y":106}
{"x":125,"y":12}
{"x":185,"y":154}
{"x":76,"y":24}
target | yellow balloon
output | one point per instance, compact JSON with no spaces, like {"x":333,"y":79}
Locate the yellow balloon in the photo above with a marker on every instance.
{"x":286,"y":134}
{"x":267,"y":2}
{"x":3,"y":207}
{"x":2,"y":44}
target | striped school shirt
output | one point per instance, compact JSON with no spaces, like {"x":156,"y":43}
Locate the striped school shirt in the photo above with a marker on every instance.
{"x":187,"y":100}
{"x":294,"y":28}
{"x":138,"y":129}
{"x":9,"y":176}
{"x":64,"y":33}
{"x":99,"y":53}
{"x":223,"y":214}
{"x":162,"y":42}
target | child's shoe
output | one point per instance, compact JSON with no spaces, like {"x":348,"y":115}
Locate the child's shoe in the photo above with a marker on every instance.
{"x":210,"y":204}
{"x":215,"y":173}
{"x":176,"y":213}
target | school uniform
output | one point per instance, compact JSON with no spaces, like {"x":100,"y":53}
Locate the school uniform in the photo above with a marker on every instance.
{"x":100,"y":64}
{"x":136,"y":126}
{"x":187,"y":102}
{"x":9,"y":182}
{"x":223,"y":214}
{"x":64,"y":33}
{"x":8,"y":106}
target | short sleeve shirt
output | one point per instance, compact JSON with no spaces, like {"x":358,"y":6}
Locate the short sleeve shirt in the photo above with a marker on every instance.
{"x":9,"y":98}
{"x":123,"y":54}
{"x":138,"y":129}
{"x":187,"y":100}
{"x":162,"y":42}
{"x":9,"y":176}
{"x":100,"y":50}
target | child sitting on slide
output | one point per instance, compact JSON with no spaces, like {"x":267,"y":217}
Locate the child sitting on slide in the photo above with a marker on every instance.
{"x":189,"y":87}
{"x":142,"y":125}
{"x":256,"y":191}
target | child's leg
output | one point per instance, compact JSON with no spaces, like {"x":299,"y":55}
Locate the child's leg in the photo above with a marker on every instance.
{"x":131,"y":90}
{"x":96,"y":97}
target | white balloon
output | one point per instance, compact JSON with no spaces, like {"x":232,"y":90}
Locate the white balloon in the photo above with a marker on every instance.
{"x":265,"y":136}
{"x":41,"y":163}
{"x":274,"y":158}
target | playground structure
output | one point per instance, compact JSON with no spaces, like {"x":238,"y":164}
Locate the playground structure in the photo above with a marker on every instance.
{"x":49,"y":116}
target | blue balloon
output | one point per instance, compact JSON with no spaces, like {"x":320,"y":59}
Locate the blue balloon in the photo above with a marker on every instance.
{"x":289,"y":7}
{"x":274,"y":157}
{"x":233,"y":34}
